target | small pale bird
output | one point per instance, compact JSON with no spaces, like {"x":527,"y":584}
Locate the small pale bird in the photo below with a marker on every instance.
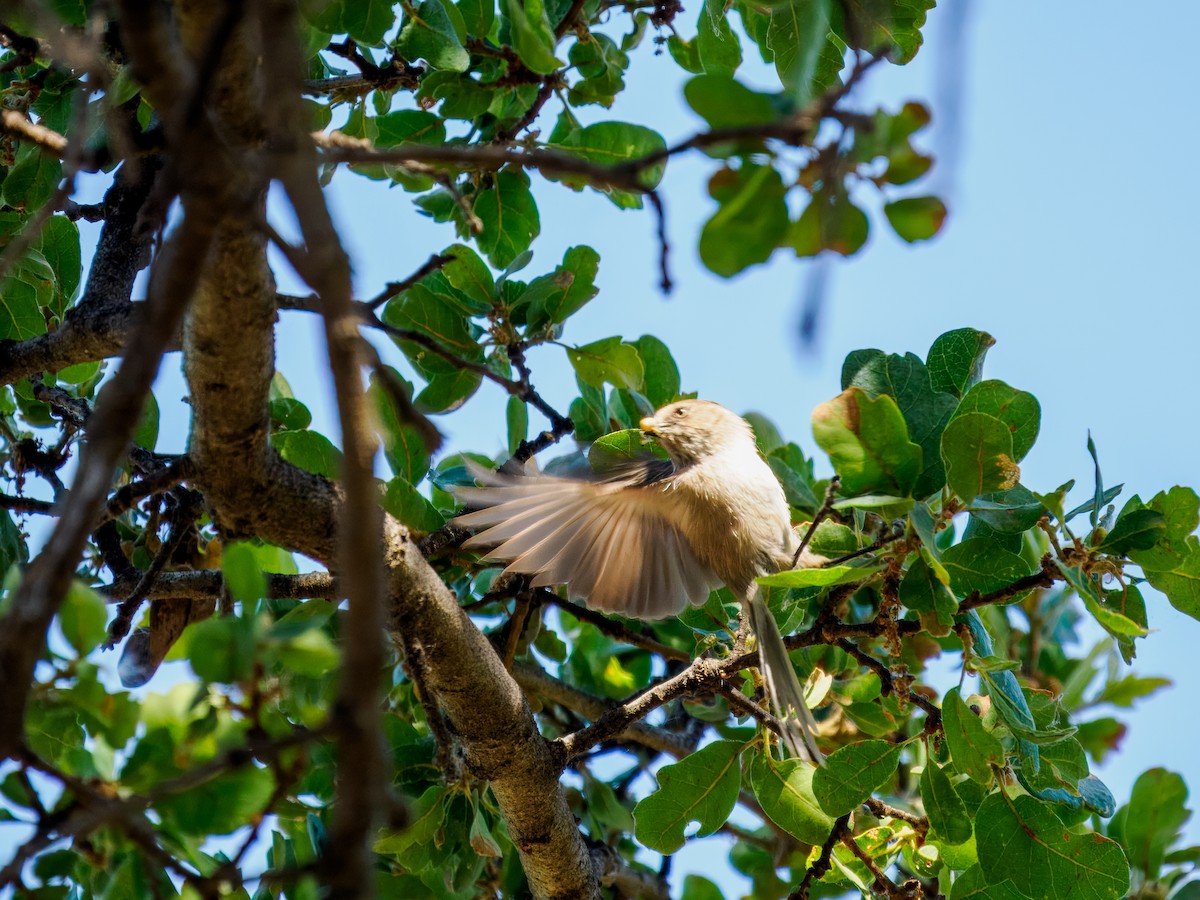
{"x":656,"y":534}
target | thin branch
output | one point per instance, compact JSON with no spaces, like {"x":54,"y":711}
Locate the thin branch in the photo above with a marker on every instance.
{"x":887,"y":682}
{"x":614,"y":628}
{"x":701,"y":677}
{"x":883,"y":884}
{"x":535,"y":681}
{"x":822,"y":513}
{"x":26,"y":505}
{"x":1045,"y":577}
{"x":130,"y":495}
{"x":47,"y":140}
{"x":821,"y":864}
{"x":435,"y":263}
{"x":883,"y":810}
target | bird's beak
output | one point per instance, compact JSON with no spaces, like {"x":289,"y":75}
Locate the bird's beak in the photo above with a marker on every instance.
{"x":648,"y":425}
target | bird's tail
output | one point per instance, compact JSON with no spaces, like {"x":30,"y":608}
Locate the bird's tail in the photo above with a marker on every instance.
{"x":783,"y":688}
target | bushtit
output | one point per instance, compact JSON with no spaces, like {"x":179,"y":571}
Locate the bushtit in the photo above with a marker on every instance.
{"x":656,"y":534}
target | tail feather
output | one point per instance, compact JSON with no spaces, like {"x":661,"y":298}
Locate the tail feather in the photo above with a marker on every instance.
{"x":783,"y":688}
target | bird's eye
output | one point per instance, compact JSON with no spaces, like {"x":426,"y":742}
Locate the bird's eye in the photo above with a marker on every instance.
{"x":681,"y":412}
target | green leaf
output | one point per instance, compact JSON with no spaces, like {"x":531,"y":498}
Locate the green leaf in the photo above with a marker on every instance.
{"x":829,"y":222}
{"x":427,"y":819}
{"x":516,"y":417}
{"x":613,"y":143}
{"x":1112,"y":621}
{"x":750,"y":221}
{"x":867,"y":441}
{"x":221,"y":805}
{"x":725,"y":103}
{"x":894,"y":24}
{"x":222,"y":649}
{"x":608,"y":360}
{"x":1018,"y":410}
{"x":916,"y":218}
{"x":1153,"y":819}
{"x":555,"y":297}
{"x":311,"y":653}
{"x":661,"y":381}
{"x":955,"y":360}
{"x":973,"y":885}
{"x":926,"y":411}
{"x":532,"y":36}
{"x":852,"y":773}
{"x":478,"y":15}
{"x":83,"y":618}
{"x":923,"y":591}
{"x":243,"y":576}
{"x":434,"y":31}
{"x":1181,"y":508}
{"x":797,"y":35}
{"x":947,"y":813}
{"x":290,"y":414}
{"x":702,"y":787}
{"x":978,"y":452}
{"x":717,"y":43}
{"x":602,"y":64}
{"x":1020,"y":838}
{"x":509,"y":215}
{"x":32,"y":180}
{"x":20,"y":312}
{"x":446,"y":393}
{"x":1140,"y":529}
{"x":13,"y":547}
{"x":59,"y":246}
{"x":1008,"y":512}
{"x":435,"y":316}
{"x":470,"y":276}
{"x":825,"y":577}
{"x":784,"y":789}
{"x":366,"y":21}
{"x":973,"y":749}
{"x":403,"y":447}
{"x":146,"y":433}
{"x":403,"y":501}
{"x":981,"y":564}
{"x":308,"y":450}
{"x":409,"y":126}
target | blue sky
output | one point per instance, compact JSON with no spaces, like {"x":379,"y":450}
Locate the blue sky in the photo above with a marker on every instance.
{"x":1070,"y":239}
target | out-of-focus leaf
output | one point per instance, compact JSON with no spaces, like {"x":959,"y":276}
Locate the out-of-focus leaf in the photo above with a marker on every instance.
{"x":308,"y":450}
{"x":750,"y":221}
{"x":916,"y":218}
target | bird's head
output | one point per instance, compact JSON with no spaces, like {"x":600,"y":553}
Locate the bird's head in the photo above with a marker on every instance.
{"x":691,"y":430}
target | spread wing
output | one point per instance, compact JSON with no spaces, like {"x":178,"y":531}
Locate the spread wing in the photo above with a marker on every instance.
{"x":611,"y":542}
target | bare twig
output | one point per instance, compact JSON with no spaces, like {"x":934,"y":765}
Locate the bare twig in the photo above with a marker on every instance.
{"x":435,"y":263}
{"x":45,"y":139}
{"x":826,"y":508}
{"x":821,"y":865}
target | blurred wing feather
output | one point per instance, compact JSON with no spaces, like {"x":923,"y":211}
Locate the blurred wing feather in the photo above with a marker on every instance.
{"x":612,"y":542}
